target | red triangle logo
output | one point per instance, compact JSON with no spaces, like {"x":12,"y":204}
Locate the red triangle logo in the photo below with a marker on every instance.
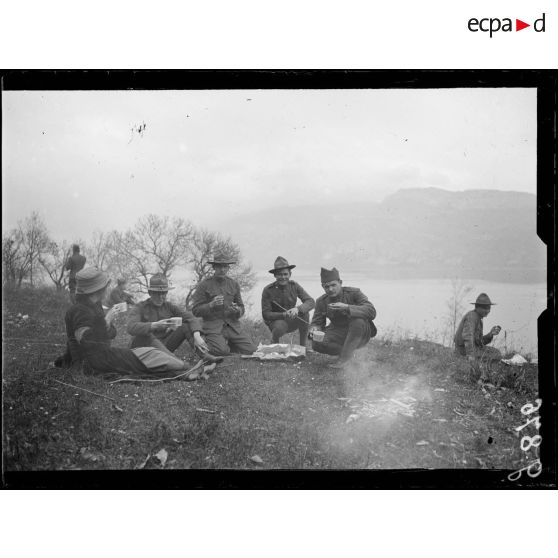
{"x":519,"y":25}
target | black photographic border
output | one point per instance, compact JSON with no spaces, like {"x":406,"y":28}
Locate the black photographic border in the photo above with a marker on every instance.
{"x":545,"y":81}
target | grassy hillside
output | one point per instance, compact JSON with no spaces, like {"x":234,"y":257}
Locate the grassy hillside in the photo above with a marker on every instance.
{"x":403,"y":404}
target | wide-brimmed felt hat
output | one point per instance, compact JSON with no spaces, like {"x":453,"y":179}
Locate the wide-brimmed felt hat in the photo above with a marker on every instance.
{"x":279,"y":264}
{"x":159,"y":283}
{"x":90,"y":280}
{"x":221,"y":258}
{"x":327,"y":275}
{"x":484,"y":300}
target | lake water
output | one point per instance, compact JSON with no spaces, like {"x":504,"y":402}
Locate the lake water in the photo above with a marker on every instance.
{"x":419,"y":307}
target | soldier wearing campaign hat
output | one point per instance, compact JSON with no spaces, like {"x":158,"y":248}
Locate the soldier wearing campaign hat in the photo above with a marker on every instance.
{"x":471,"y":342}
{"x":279,"y":309}
{"x":351,"y":317}
{"x":217,"y":300}
{"x":148,"y":323}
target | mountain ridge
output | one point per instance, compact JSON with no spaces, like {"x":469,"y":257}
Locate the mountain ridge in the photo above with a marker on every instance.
{"x":414,"y":232}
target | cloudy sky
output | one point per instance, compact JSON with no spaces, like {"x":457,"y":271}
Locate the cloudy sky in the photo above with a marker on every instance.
{"x":91,"y":160}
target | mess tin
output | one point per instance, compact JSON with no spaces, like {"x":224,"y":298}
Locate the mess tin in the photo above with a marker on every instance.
{"x":175,"y":322}
{"x":318,"y":336}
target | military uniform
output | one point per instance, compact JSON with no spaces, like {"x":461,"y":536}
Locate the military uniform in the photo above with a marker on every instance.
{"x":118,"y":295}
{"x":470,"y":341}
{"x":139,"y":325}
{"x":349,"y":329}
{"x":221,"y":326}
{"x":276,"y":299}
{"x":74,"y":263}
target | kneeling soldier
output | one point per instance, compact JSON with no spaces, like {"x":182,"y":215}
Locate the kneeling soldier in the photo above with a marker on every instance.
{"x":145,"y":323}
{"x":470,"y":341}
{"x":279,"y":309}
{"x":351,"y":315}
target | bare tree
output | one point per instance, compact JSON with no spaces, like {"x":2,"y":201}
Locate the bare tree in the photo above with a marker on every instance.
{"x":22,"y":247}
{"x":100,"y":250}
{"x":53,"y":260}
{"x":204,"y":246}
{"x":13,"y":270}
{"x":154,"y":245}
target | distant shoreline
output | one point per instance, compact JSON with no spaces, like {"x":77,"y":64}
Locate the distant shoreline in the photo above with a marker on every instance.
{"x":526,"y":276}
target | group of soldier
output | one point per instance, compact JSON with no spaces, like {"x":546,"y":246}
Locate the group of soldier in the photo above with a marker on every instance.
{"x":213,"y":328}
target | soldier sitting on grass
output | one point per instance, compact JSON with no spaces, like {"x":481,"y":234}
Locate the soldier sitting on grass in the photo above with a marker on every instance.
{"x":279,"y":309}
{"x":470,"y":341}
{"x":218,"y":301}
{"x":119,"y":294}
{"x":350,"y":313}
{"x":149,"y":326}
{"x":90,"y":333}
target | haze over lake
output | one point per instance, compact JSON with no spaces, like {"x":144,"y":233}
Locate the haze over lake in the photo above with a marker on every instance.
{"x":419,"y":307}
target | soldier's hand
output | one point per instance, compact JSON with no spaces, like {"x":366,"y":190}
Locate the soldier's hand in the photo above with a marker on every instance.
{"x":200,"y":343}
{"x":159,"y":326}
{"x":495,"y":330}
{"x":109,"y":316}
{"x":292,"y":313}
{"x":217,"y":301}
{"x":338,"y":306}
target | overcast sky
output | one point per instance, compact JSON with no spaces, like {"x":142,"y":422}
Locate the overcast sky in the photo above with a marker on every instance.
{"x":81,"y":159}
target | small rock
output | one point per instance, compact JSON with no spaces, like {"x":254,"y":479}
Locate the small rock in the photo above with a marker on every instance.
{"x":26,"y":317}
{"x":352,"y":418}
{"x":422,"y":443}
{"x":256,"y":459}
{"x":510,"y":405}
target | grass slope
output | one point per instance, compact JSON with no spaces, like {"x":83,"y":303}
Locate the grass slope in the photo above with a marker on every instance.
{"x":403,"y":404}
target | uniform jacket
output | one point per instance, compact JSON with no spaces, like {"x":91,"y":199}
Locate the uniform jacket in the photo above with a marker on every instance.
{"x":215,"y":318}
{"x":274,"y":296}
{"x":89,"y":339}
{"x":142,"y":314}
{"x":469,"y":333}
{"x":75,"y":263}
{"x":118,"y":295}
{"x":359,"y":307}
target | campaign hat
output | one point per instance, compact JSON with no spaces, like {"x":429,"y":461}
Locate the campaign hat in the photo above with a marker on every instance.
{"x":279,"y":264}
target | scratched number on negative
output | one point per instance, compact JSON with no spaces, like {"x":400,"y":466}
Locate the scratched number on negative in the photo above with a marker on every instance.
{"x":534,"y":469}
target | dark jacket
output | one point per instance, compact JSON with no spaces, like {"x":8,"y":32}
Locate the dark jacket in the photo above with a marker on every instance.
{"x":118,"y":295}
{"x":215,"y":318}
{"x":75,"y":263}
{"x":89,"y":340}
{"x":469,"y":333}
{"x":359,"y":307}
{"x":274,"y":297}
{"x":142,"y":314}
